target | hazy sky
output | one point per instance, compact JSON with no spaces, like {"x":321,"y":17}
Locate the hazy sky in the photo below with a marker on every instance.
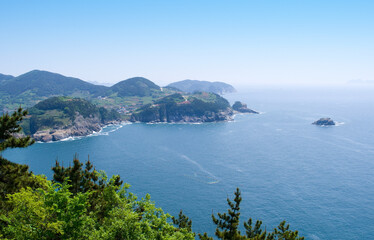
{"x":239,"y":42}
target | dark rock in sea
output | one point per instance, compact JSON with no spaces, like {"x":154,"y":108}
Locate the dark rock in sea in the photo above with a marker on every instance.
{"x":242,"y":108}
{"x":324,"y":122}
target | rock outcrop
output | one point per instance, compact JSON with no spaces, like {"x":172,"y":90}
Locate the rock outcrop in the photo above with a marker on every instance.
{"x":242,"y":108}
{"x":324,"y":122}
{"x":80,"y":127}
{"x":176,"y":108}
{"x":158,"y":115}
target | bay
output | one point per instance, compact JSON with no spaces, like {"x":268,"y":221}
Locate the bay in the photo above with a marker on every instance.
{"x":319,"y":179}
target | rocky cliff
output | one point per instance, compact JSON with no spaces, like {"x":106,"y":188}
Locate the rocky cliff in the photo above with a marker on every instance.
{"x":80,"y":127}
{"x":57,"y":118}
{"x":201,"y":107}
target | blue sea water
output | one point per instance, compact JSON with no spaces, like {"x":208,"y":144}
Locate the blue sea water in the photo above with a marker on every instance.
{"x":319,"y":179}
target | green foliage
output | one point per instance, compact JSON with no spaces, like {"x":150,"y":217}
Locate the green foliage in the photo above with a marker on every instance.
{"x":61,"y":111}
{"x":137,"y":86}
{"x":69,"y":106}
{"x":228,"y":226}
{"x":43,"y":83}
{"x":229,"y":222}
{"x":173,"y":98}
{"x":174,"y":107}
{"x":9,"y":127}
{"x":107,"y":115}
{"x":182,"y":221}
{"x":65,"y":211}
{"x":14,"y":176}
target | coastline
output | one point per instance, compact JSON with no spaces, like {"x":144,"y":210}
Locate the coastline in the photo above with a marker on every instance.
{"x":116,"y":125}
{"x":119,"y":124}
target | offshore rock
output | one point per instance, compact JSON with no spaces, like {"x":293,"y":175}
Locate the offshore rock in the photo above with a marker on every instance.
{"x":324,"y":122}
{"x":242,"y":108}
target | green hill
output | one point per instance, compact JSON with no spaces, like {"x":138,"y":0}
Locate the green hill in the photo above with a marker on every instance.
{"x":191,"y":86}
{"x":136,"y":86}
{"x":4,"y":78}
{"x":44,"y":84}
{"x":199,"y":107}
{"x":30,"y":88}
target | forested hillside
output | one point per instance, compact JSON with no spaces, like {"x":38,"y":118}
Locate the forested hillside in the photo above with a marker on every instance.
{"x":199,"y":107}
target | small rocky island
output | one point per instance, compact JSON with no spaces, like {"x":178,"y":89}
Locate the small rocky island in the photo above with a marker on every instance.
{"x":324,"y":122}
{"x":242,"y":108}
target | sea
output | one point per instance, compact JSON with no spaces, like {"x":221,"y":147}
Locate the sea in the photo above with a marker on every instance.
{"x":319,"y":179}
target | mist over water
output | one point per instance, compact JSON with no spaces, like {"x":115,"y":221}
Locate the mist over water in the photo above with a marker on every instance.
{"x":319,"y":179}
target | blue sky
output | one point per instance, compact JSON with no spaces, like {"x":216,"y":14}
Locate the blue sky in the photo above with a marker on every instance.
{"x":239,"y":42}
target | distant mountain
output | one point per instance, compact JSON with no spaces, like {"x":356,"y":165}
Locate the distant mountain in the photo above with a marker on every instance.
{"x":4,"y":78}
{"x":43,"y":83}
{"x":136,"y":86}
{"x":191,"y":86}
{"x":34,"y":86}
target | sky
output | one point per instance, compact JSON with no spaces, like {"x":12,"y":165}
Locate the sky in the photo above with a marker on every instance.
{"x":241,"y":42}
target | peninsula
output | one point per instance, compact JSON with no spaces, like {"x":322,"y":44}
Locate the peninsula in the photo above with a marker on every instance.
{"x":61,"y":106}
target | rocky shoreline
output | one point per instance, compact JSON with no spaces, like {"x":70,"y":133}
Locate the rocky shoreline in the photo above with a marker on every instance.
{"x":163,"y":117}
{"x":80,"y":127}
{"x":86,"y":126}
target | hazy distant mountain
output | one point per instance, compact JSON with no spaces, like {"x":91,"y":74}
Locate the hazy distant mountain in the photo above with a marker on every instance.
{"x":4,"y":78}
{"x":136,"y":86}
{"x":106,"y":84}
{"x":34,"y":86}
{"x":203,"y":86}
{"x":43,"y":83}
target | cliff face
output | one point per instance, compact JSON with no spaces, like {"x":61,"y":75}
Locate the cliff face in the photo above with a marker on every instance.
{"x":162,"y":114}
{"x":60,"y":117}
{"x":80,"y":127}
{"x":200,"y":107}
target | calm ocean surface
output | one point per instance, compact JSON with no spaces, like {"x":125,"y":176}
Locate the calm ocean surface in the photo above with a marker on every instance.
{"x":319,"y":179}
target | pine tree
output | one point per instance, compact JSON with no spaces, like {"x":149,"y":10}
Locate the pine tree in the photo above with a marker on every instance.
{"x":80,"y":180}
{"x":228,"y":223}
{"x":13,"y":176}
{"x":182,"y":221}
{"x":9,"y":128}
